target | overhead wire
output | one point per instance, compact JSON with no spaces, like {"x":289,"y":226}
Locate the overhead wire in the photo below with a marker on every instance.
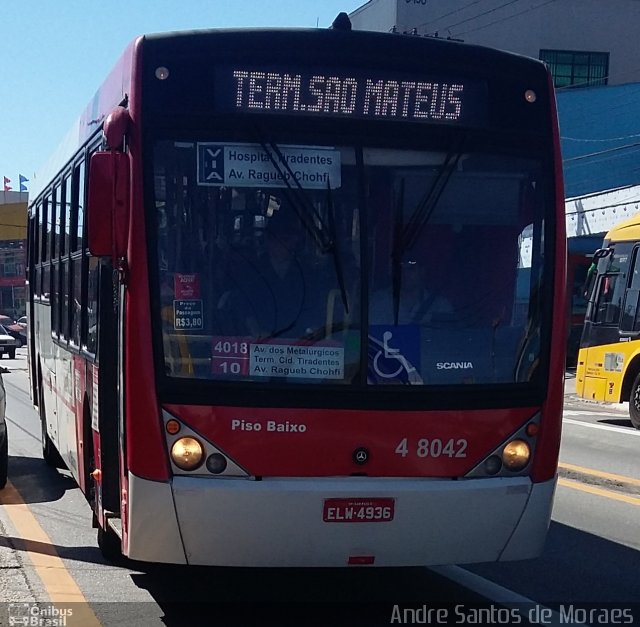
{"x":504,"y":19}
{"x":596,"y":80}
{"x":627,"y":177}
{"x":601,"y":152}
{"x":606,"y":139}
{"x":475,"y":17}
{"x":582,"y":173}
{"x":462,"y":8}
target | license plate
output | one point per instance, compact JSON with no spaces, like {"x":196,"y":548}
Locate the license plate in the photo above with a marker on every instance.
{"x":358,"y":510}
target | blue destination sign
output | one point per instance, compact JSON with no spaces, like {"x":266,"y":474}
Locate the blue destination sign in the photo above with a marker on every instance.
{"x":439,"y":100}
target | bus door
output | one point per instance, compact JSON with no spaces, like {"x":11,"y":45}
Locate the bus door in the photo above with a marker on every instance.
{"x":605,"y":345}
{"x":102,"y":379}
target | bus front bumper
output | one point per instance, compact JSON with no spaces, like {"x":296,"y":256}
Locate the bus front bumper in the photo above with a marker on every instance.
{"x":280,"y":523}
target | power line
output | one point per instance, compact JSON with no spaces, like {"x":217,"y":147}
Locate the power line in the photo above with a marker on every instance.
{"x":601,"y":152}
{"x":608,"y":139}
{"x":624,"y":167}
{"x":603,"y":107}
{"x":603,"y":156}
{"x":437,"y":19}
{"x":587,"y":169}
{"x":475,"y":17}
{"x":626,"y":177}
{"x":595,"y":80}
{"x":504,"y":19}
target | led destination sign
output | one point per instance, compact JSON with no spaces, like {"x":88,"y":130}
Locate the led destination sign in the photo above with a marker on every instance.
{"x":353,"y":94}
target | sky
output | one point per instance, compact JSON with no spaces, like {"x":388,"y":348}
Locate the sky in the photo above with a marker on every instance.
{"x":55,"y":53}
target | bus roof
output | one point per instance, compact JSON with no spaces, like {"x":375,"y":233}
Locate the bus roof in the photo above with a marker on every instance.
{"x":484,"y":59}
{"x":625,"y":231}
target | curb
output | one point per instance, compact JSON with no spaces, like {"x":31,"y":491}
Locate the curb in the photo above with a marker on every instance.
{"x":622,"y":408}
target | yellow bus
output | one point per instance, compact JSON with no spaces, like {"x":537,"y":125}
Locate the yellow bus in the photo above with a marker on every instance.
{"x":609,"y":357}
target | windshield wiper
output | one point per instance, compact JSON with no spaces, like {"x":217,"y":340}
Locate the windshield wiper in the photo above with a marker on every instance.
{"x":325,"y":234}
{"x":396,"y":253}
{"x":297,"y":197}
{"x":405,"y":236}
{"x":422,"y":213}
{"x":335,"y":250}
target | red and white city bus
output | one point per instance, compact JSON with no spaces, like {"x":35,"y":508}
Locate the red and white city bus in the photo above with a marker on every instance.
{"x":297,"y":298}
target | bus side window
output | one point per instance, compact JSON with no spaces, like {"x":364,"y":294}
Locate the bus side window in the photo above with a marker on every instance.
{"x":93,"y":290}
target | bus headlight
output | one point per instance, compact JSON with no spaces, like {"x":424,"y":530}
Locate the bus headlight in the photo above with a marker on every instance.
{"x":187,"y":453}
{"x":516,"y":455}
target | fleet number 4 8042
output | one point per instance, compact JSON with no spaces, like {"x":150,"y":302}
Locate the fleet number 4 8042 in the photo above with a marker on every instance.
{"x":432,"y":448}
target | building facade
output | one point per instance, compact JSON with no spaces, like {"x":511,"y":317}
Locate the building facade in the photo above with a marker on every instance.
{"x":13,"y":253}
{"x":585,"y":42}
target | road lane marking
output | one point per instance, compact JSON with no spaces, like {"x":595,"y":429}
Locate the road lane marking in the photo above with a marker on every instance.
{"x":581,"y":423}
{"x":609,"y":494}
{"x":58,"y":582}
{"x":495,"y":593}
{"x":599,"y":473}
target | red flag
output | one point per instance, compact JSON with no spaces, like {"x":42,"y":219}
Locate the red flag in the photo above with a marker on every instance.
{"x":7,"y":187}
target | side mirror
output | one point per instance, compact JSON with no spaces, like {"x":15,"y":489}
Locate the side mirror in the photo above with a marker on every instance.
{"x":108,"y":204}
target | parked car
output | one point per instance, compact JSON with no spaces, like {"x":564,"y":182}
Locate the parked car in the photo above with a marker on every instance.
{"x":18,"y":332}
{"x":4,"y":441}
{"x":8,"y":343}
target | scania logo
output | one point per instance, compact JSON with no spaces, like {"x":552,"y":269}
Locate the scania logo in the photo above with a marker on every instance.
{"x":361,"y":456}
{"x":454,"y":365}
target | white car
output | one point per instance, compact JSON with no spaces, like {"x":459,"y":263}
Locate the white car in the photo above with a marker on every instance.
{"x":4,"y":442}
{"x":8,"y":343}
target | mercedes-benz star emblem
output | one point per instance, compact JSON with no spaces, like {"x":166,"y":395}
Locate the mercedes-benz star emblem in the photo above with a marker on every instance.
{"x":361,"y":456}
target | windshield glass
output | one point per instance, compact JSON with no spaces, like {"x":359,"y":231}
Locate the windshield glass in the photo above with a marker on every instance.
{"x":308,"y":264}
{"x":613,"y":267}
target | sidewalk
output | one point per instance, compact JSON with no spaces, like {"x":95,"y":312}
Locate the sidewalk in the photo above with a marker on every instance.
{"x":570,"y":383}
{"x":571,"y":396}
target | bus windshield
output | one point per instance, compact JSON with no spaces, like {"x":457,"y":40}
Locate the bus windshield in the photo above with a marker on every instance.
{"x":349,"y":265}
{"x":611,"y":284}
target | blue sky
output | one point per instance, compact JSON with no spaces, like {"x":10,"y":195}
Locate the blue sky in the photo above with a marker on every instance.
{"x":55,"y":53}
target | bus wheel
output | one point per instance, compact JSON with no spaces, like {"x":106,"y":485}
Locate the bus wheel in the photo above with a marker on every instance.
{"x":634,"y":403}
{"x":109,"y":544}
{"x":49,"y":452}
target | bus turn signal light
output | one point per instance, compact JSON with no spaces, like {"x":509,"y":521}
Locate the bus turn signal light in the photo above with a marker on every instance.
{"x":516,"y":455}
{"x":532,"y":429}
{"x":187,"y":453}
{"x":172,"y":426}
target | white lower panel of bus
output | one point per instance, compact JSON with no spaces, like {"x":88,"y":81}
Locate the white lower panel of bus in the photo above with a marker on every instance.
{"x":280,"y":522}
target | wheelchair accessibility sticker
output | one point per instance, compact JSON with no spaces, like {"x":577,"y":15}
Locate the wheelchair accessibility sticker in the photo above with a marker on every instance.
{"x":394,"y":355}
